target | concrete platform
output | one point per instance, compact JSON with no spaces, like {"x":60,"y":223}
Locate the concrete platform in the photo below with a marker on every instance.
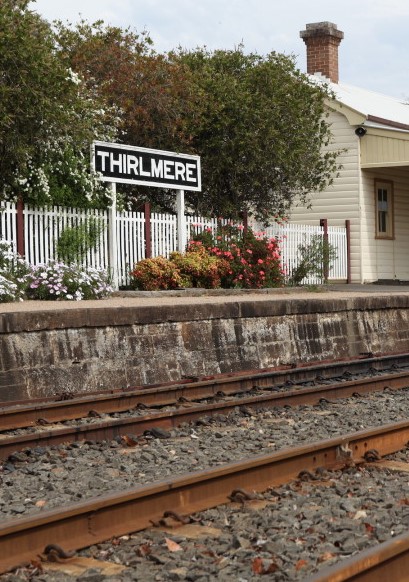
{"x":136,"y":338}
{"x":200,"y":296}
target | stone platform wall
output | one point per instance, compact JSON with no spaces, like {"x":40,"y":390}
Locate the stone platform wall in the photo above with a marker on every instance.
{"x":86,"y":349}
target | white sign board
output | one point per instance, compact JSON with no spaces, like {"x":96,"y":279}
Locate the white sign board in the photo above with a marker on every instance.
{"x":146,"y":167}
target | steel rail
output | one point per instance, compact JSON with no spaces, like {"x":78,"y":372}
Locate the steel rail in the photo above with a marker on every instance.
{"x":25,"y":415}
{"x":138,"y":425}
{"x":386,"y":562}
{"x":96,"y":520}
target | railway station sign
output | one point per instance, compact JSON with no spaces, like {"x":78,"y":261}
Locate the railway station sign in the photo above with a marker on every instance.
{"x":117,"y":163}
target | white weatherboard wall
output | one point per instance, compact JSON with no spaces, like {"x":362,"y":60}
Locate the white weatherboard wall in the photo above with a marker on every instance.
{"x":389,"y":259}
{"x":352,"y":196}
{"x":340,"y":201}
{"x":401,"y":243}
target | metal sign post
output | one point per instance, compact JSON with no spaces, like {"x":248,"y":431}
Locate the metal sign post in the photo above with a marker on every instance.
{"x":116,"y":163}
{"x":180,"y":209}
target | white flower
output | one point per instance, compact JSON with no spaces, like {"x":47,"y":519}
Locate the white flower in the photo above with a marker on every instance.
{"x":74,"y":77}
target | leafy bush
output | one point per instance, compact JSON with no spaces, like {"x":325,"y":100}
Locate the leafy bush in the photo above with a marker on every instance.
{"x":229,"y":259}
{"x":57,"y":281}
{"x":313,"y":257}
{"x":75,"y":242}
{"x":157,"y":274}
{"x":198,"y":267}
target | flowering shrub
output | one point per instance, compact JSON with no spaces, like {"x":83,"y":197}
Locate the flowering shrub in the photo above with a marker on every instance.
{"x":14,"y":273}
{"x":8,"y":290}
{"x":251,"y":261}
{"x":57,"y":281}
{"x":157,"y":274}
{"x":232,"y":258}
{"x":199,"y":267}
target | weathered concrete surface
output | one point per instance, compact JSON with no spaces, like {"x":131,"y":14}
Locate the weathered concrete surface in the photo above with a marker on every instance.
{"x":86,"y":348}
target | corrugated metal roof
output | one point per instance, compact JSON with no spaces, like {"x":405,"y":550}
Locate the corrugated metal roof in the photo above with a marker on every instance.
{"x":375,"y":107}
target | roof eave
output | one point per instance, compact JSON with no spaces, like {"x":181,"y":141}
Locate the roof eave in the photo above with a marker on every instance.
{"x":356,"y":117}
{"x":388,"y":122}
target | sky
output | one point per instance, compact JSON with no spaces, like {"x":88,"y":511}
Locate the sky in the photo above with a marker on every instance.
{"x":374,"y":53}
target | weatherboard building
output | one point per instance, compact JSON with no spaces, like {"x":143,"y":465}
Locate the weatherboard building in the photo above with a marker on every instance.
{"x":372,"y":189}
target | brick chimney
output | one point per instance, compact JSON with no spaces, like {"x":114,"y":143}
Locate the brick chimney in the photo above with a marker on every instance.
{"x":322,"y":40}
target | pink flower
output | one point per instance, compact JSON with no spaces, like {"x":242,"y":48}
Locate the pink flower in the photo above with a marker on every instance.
{"x":260,"y":262}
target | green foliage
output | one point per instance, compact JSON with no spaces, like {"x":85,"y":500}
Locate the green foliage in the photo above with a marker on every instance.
{"x":149,"y":95}
{"x":75,"y":242}
{"x":257,"y":123}
{"x":314,"y":258}
{"x":47,"y":117}
{"x":259,"y":129}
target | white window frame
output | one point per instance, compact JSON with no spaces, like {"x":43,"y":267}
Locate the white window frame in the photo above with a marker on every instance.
{"x":384,"y":216}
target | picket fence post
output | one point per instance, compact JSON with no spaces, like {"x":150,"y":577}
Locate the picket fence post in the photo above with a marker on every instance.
{"x":148,"y":231}
{"x":112,"y":238}
{"x":20,"y":226}
{"x":325,"y":255}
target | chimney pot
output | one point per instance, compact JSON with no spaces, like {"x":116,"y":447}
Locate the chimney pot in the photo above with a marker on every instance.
{"x":322,"y":40}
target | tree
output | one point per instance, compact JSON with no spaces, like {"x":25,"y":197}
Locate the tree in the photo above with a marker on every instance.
{"x":257,"y":123}
{"x":47,"y":121}
{"x":260,"y":133}
{"x":150,"y":95}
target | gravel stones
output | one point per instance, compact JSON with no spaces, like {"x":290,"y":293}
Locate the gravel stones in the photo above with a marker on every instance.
{"x":286,"y":534}
{"x":64,"y":474}
{"x":302,"y":526}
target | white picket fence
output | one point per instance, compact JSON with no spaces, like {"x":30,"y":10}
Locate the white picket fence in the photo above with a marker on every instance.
{"x":292,"y":236}
{"x":43,"y":227}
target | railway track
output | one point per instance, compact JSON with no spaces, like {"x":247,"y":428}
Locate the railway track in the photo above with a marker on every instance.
{"x":390,"y":561}
{"x":118,"y":513}
{"x":68,"y":407}
{"x":84,"y":524}
{"x":252,"y":391}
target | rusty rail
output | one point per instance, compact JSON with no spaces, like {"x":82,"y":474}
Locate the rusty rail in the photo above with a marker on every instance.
{"x":23,"y":414}
{"x":99,"y":519}
{"x":386,"y":562}
{"x":137,"y":425}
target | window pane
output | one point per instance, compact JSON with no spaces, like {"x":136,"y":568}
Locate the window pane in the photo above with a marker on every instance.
{"x":384,"y":209}
{"x":382,"y":221}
